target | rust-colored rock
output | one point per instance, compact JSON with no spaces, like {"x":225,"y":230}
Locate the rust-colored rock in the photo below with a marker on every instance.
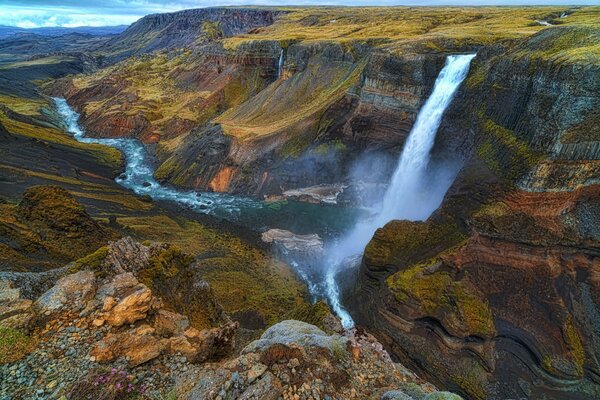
{"x":131,"y":308}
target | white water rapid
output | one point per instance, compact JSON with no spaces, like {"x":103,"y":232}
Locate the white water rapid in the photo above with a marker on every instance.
{"x":138,"y":175}
{"x":412,"y":194}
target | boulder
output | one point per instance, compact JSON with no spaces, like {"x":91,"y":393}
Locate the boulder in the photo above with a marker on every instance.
{"x":131,"y":308}
{"x":396,"y":395}
{"x":70,"y":293}
{"x":443,"y":396}
{"x":138,"y":346}
{"x":168,"y":323}
{"x":295,"y":335}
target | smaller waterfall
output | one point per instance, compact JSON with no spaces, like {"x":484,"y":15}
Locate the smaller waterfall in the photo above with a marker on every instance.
{"x":280,"y":65}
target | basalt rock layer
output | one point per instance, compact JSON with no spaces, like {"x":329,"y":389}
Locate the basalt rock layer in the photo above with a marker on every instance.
{"x":502,"y":279}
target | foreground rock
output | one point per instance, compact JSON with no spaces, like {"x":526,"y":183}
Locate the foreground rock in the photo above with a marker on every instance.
{"x":99,"y":329}
{"x":296,"y":360}
{"x":103,"y":315}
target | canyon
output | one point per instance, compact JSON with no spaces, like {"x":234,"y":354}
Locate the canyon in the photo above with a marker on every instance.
{"x":271,"y":147}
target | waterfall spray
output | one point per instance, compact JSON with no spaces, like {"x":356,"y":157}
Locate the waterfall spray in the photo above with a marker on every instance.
{"x":408,"y":196}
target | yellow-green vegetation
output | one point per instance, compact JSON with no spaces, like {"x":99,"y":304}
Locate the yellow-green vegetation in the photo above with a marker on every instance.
{"x":165,"y":265}
{"x":423,"y":26}
{"x":504,"y":153}
{"x":92,"y":261}
{"x":242,"y":276}
{"x":437,"y":293}
{"x":45,"y":132}
{"x":575,"y":344}
{"x":48,"y":228}
{"x":576,"y":41}
{"x":292,"y":101}
{"x":172,"y":92}
{"x":404,"y":242}
{"x":212,"y":29}
{"x":314,"y":314}
{"x":41,"y":61}
{"x":14,"y":344}
{"x":471,"y":379}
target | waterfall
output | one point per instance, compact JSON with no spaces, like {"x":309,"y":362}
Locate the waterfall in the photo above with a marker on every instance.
{"x":413,"y":194}
{"x":280,"y":65}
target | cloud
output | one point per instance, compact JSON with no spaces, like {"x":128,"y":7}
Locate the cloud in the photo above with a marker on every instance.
{"x":69,"y":13}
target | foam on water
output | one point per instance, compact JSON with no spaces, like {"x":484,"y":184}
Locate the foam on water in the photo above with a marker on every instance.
{"x":139,"y":174}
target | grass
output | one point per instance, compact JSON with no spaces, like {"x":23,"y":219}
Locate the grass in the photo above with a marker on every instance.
{"x":405,"y":25}
{"x":13,"y":344}
{"x":104,"y":154}
{"x":242,"y":276}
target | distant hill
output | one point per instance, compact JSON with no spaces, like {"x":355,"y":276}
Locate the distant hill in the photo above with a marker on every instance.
{"x":6,"y":31}
{"x":186,"y":28}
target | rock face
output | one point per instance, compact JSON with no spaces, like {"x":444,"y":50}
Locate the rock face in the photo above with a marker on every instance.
{"x":139,"y":327}
{"x":358,"y":101}
{"x":295,"y":360}
{"x":70,"y":293}
{"x":493,"y":296}
{"x":185,"y":29}
{"x":15,"y":312}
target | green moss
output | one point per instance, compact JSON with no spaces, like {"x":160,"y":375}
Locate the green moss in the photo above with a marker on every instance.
{"x":503,"y":153}
{"x":337,"y":146}
{"x":212,"y":29}
{"x":471,"y":380}
{"x":14,"y":344}
{"x":165,"y":265}
{"x":574,"y":44}
{"x":402,"y":243}
{"x":438,"y":294}
{"x":104,"y":154}
{"x":313,"y":314}
{"x":92,"y":261}
{"x":575,"y":345}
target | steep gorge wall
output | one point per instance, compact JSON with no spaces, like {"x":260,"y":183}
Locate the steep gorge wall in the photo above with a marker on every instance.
{"x":494,"y":294}
{"x":331,"y":106}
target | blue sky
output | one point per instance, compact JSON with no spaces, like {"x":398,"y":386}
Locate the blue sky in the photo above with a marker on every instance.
{"x":69,"y":13}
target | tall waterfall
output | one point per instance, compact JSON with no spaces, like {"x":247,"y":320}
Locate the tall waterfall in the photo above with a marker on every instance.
{"x":280,"y":65}
{"x":412,"y":194}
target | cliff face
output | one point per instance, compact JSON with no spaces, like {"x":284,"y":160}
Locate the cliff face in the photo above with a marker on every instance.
{"x":501,"y":280}
{"x":331,"y":104}
{"x":184,"y":29}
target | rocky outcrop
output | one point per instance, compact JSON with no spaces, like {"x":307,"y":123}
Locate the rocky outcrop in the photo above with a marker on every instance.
{"x":295,"y":360}
{"x":513,"y":302}
{"x":15,"y":311}
{"x":185,"y":29}
{"x":47,"y":227}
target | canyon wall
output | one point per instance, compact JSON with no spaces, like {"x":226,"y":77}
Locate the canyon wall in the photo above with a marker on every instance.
{"x":495,"y":295}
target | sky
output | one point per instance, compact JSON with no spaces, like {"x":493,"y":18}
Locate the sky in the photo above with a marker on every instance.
{"x":71,"y":13}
